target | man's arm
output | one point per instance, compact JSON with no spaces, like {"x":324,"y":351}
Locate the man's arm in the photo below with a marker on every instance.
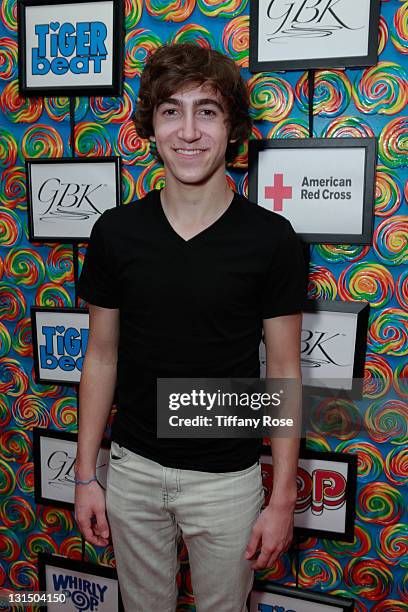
{"x":275,"y":525}
{"x":96,"y":391}
{"x":282,"y":340}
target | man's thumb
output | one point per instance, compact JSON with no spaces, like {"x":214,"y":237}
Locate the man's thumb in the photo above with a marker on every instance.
{"x":102,"y":524}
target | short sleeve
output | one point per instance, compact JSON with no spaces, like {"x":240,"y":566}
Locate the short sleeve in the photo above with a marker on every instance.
{"x":97,"y":284}
{"x":284,"y":289}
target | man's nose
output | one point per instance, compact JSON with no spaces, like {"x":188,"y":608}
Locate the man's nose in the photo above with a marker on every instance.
{"x":189,"y":130}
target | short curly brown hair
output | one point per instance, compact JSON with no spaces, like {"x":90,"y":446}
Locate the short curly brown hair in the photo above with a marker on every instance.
{"x":174,"y":66}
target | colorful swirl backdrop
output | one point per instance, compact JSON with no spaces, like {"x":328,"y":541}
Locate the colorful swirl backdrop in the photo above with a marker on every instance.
{"x":355,"y":102}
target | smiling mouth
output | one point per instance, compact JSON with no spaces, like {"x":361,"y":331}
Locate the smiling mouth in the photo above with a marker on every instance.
{"x":190,"y":152}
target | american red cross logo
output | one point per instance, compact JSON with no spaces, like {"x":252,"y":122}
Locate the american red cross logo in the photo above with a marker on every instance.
{"x":278,"y":192}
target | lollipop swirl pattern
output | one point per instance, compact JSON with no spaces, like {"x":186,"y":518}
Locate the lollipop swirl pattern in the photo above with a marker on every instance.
{"x":8,"y":14}
{"x":13,"y":187}
{"x":399,"y":35}
{"x":392,"y":144}
{"x":271,"y":97}
{"x":58,"y":108}
{"x":175,"y":10}
{"x":133,"y":13}
{"x":396,"y":466}
{"x":221,"y":8}
{"x":388,"y":192}
{"x":382,"y":89}
{"x":366,"y":281}
{"x":377,"y":376}
{"x":8,"y":148}
{"x":370,"y":578}
{"x":194,"y":33}
{"x":388,"y":332}
{"x":391,"y":240}
{"x":319,"y":568}
{"x":17,"y":109}
{"x":139,"y":44}
{"x":331,"y":96}
{"x":235,"y":40}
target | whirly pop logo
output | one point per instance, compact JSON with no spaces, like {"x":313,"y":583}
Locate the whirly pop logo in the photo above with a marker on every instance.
{"x":65,"y":47}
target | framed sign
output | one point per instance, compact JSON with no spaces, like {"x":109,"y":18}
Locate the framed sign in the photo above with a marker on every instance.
{"x":326,"y":503}
{"x":70,"y":47}
{"x":304,"y":34}
{"x":60,"y":338}
{"x":323,"y":186}
{"x":54,"y":463}
{"x":269,"y":597}
{"x":73,"y":585}
{"x":333,"y":347}
{"x":66,"y":196}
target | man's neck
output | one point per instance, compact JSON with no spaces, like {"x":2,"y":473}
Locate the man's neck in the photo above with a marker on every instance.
{"x":190,"y":209}
{"x":195,"y":205}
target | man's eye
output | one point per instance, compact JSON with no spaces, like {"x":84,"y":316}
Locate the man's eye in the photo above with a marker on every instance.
{"x":169,"y":111}
{"x":208,"y":112}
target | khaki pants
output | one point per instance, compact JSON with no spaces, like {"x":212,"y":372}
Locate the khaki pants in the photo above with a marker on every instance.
{"x":149,"y":505}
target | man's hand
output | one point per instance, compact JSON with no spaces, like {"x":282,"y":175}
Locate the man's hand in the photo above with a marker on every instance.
{"x":271,"y":534}
{"x":90,"y":513}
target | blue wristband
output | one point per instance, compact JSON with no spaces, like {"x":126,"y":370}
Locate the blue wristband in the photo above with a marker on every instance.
{"x":85,"y":482}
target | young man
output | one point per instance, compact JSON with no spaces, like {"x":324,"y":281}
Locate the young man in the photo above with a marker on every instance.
{"x":180,"y":284}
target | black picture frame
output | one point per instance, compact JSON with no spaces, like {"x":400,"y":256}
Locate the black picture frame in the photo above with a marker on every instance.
{"x":113,"y":88}
{"x":350,"y":490}
{"x":35,"y":312}
{"x":331,"y":602}
{"x":331,"y":357}
{"x":305,"y":146}
{"x":65,"y":471}
{"x":84,"y":193}
{"x":361,"y":310}
{"x":330,"y":61}
{"x":75,"y":565}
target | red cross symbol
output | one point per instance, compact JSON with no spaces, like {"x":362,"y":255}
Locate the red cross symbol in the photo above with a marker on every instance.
{"x":277,"y":192}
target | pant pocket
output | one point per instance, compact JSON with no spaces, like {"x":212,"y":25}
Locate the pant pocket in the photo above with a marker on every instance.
{"x":118,"y":454}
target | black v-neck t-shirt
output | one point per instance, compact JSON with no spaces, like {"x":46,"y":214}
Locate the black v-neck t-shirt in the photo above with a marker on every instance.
{"x":189,"y":309}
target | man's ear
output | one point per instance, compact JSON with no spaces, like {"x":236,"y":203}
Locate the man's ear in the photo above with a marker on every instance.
{"x":231,"y":140}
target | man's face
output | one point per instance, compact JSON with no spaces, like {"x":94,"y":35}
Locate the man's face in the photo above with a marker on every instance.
{"x":191,"y":134}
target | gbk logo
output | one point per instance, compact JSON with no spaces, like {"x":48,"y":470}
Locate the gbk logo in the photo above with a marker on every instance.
{"x":68,"y":200}
{"x":306,"y":18}
{"x":61,"y":469}
{"x":318,"y":348}
{"x":61,"y":464}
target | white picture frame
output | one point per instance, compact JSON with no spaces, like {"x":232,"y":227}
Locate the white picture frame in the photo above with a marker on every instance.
{"x":65,"y":196}
{"x":80,"y":584}
{"x":60,"y":338}
{"x":324,"y":186}
{"x":299,"y":35}
{"x":326,"y":503}
{"x":269,"y":597}
{"x":70,"y":47}
{"x":333,"y":347}
{"x":54,"y":463}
